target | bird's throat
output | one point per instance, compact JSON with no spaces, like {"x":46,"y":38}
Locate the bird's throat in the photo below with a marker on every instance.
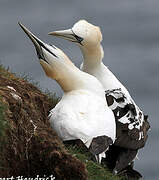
{"x":92,"y":57}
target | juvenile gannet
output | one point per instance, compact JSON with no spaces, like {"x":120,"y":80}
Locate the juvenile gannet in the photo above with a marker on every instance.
{"x":132,"y":125}
{"x":82,"y":112}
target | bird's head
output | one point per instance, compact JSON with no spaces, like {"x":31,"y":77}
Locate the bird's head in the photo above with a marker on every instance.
{"x":86,"y":35}
{"x":51,"y":58}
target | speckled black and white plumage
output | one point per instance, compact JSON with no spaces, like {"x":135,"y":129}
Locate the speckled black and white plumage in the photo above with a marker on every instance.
{"x":132,"y":127}
{"x":131,"y":123}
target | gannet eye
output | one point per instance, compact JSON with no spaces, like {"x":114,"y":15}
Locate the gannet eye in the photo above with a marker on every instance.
{"x":78,"y":38}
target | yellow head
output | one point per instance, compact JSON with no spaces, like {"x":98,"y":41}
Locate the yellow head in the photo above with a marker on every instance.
{"x":83,"y":33}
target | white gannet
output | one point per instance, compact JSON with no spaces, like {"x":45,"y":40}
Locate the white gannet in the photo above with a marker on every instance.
{"x":82,"y":112}
{"x":132,"y":125}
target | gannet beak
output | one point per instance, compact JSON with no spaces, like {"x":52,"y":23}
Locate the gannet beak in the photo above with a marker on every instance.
{"x":68,"y":35}
{"x":46,"y":53}
{"x":36,"y":41}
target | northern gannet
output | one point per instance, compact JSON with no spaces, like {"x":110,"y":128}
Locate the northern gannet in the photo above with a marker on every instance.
{"x":132,"y":125}
{"x":82,"y":112}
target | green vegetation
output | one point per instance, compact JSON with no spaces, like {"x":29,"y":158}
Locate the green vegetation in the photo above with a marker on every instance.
{"x":95,"y":170}
{"x":2,"y":119}
{"x":52,"y":98}
{"x":3,"y":127}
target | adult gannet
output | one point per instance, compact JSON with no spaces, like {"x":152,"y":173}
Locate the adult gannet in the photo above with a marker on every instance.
{"x":82,"y":112}
{"x":132,"y":125}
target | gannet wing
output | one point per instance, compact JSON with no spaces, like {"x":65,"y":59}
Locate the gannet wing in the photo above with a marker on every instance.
{"x":100,"y":144}
{"x":132,"y":125}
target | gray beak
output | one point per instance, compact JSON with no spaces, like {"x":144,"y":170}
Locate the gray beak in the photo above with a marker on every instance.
{"x":37,"y":42}
{"x":68,"y":35}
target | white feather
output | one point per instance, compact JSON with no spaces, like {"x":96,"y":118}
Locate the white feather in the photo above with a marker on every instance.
{"x":82,"y":115}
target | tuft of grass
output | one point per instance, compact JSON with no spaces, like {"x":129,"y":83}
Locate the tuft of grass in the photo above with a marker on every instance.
{"x":29,"y":79}
{"x":3,"y":127}
{"x":52,"y":98}
{"x":95,"y":170}
{"x":3,"y":122}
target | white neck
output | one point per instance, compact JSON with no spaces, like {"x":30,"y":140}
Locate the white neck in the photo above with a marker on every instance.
{"x":70,"y":78}
{"x":65,"y":73}
{"x":92,"y":56}
{"x":92,"y":64}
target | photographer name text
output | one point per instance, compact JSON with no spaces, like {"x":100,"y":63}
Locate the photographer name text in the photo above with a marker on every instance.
{"x":51,"y":177}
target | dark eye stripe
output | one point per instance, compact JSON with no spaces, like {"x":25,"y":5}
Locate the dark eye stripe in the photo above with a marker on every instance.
{"x":79,"y":39}
{"x":42,"y":45}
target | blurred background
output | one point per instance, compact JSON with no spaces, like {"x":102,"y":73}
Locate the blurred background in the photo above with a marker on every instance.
{"x":131,"y":44}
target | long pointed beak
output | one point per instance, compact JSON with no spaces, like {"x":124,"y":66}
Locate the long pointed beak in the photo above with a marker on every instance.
{"x":47,"y":54}
{"x":36,"y":41}
{"x":68,"y":35}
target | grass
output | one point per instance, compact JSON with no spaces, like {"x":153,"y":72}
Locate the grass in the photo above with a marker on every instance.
{"x":52,"y":97}
{"x":3,"y":127}
{"x":29,"y":78}
{"x":3,"y":122}
{"x":95,"y":170}
{"x":2,"y":119}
